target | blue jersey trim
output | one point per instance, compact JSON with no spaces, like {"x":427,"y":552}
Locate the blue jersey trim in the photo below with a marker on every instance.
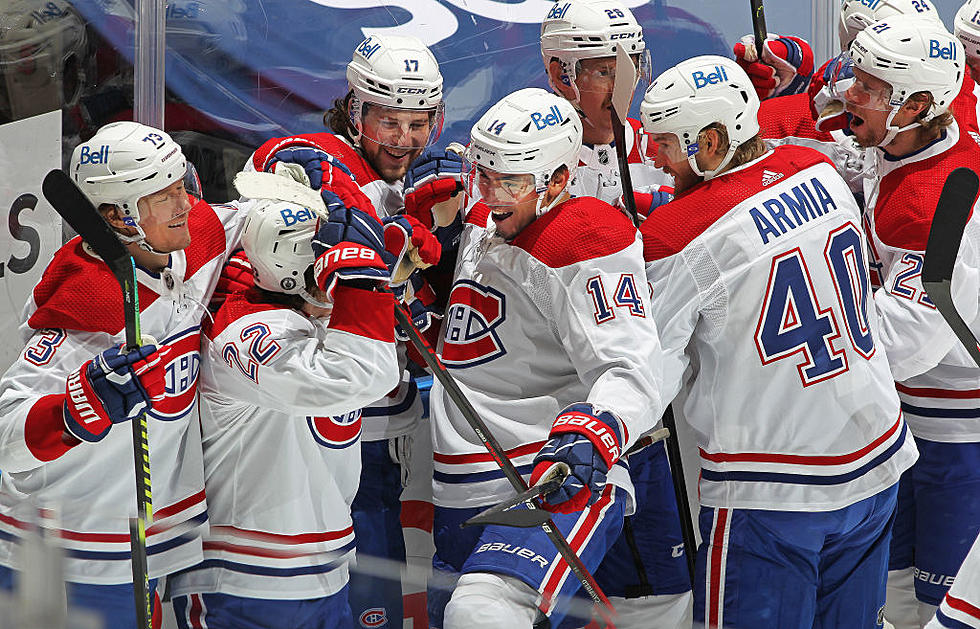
{"x":952,"y":413}
{"x":477,"y":477}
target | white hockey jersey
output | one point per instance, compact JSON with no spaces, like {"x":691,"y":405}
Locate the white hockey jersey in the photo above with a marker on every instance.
{"x":960,"y":608}
{"x":400,"y":410}
{"x":760,"y":292}
{"x":939,"y":382}
{"x":598,"y":169}
{"x":76,"y":312}
{"x":556,"y":316}
{"x":281,"y":426}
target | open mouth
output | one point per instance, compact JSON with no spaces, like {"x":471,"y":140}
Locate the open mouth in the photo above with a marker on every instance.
{"x":500,"y":217}
{"x":395,"y":154}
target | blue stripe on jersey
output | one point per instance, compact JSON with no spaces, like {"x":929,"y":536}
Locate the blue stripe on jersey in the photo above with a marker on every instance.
{"x":401,"y":407}
{"x":162,"y":547}
{"x":946,"y":621}
{"x":277,"y":572}
{"x":477,"y":477}
{"x":806,"y":479}
{"x":954,"y":413}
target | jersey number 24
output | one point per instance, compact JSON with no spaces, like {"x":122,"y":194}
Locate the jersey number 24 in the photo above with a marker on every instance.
{"x":793,"y":322}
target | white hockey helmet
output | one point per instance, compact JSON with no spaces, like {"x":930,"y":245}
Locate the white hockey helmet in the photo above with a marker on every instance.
{"x":530,"y":131}
{"x":398,"y":72}
{"x":857,"y":15}
{"x":276,"y":239}
{"x":696,"y":93}
{"x":586,"y":29}
{"x":911,"y":55}
{"x":966,"y":27}
{"x":124,"y":162}
{"x":42,"y":57}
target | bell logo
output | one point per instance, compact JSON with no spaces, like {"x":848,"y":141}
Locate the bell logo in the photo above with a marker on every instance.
{"x":543,"y":121}
{"x":289,"y":217}
{"x":938,"y":51}
{"x":557,"y":12}
{"x":87,"y":156}
{"x":365,"y":49}
{"x":702,"y":79}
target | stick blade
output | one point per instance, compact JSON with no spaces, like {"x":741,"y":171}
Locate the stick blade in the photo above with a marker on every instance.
{"x":73,"y":206}
{"x":624,"y":84}
{"x":952,"y":212}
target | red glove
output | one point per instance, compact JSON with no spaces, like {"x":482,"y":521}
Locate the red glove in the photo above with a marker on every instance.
{"x":235,"y":278}
{"x":785,"y":68}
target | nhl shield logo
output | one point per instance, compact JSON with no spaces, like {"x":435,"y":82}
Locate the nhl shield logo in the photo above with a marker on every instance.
{"x":473,"y":315}
{"x":336,"y":432}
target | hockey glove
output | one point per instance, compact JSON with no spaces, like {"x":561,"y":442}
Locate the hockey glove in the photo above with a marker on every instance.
{"x":235,"y":277}
{"x":412,"y":245}
{"x":785,"y":68}
{"x":433,"y":178}
{"x":113,"y":387}
{"x":647,"y":202}
{"x":420,"y":299}
{"x":827,"y":110}
{"x":321,"y":171}
{"x":350,"y":245}
{"x":589,"y":442}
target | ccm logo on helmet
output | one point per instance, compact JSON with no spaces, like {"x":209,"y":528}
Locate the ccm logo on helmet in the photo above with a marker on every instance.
{"x":290,"y":218}
{"x":622,"y":36}
{"x":543,"y":121}
{"x":374,"y":617}
{"x":702,"y":79}
{"x":87,"y":156}
{"x":411,"y":90}
{"x":938,"y":51}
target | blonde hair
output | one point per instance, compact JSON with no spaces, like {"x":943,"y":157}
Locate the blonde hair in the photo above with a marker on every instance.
{"x":751,"y":149}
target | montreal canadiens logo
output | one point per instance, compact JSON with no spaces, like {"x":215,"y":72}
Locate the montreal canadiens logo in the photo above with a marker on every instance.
{"x":336,"y":432}
{"x":374,"y":617}
{"x":180,"y":376}
{"x":472,"y":319}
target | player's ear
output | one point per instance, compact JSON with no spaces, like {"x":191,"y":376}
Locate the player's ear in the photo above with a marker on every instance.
{"x":558,"y":180}
{"x":918,"y":104}
{"x":556,"y":74}
{"x":114,"y":216}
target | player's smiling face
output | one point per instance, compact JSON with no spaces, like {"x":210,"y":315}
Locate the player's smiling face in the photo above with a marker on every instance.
{"x":594,"y":80}
{"x":392,"y":138}
{"x":163,"y":217}
{"x":512,"y":200}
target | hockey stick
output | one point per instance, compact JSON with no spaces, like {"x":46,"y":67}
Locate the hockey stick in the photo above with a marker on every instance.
{"x":62,"y":193}
{"x":758,"y":26}
{"x":520,"y":518}
{"x":622,"y":95}
{"x":952,"y":213}
{"x":602,"y":604}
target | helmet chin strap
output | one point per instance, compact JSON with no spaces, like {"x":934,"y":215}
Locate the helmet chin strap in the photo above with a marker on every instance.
{"x":711,"y":174}
{"x":140,"y":239}
{"x":892,"y":131}
{"x":313,"y":301}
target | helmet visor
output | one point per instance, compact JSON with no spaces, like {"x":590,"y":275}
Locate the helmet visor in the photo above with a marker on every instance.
{"x":397,"y":128}
{"x":498,"y":189}
{"x":858,"y":88}
{"x":669,"y":147}
{"x":598,"y":74}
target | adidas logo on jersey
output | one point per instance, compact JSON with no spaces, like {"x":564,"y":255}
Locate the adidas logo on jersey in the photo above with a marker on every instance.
{"x":770,"y":177}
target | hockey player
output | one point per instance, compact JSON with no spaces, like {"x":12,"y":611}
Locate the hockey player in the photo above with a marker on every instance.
{"x":902,"y":113}
{"x":966,"y":27}
{"x":285,"y":369}
{"x":135,"y":175}
{"x":761,"y":298}
{"x":540,"y":347}
{"x":643,"y":573}
{"x":392,"y":111}
{"x":960,"y":608}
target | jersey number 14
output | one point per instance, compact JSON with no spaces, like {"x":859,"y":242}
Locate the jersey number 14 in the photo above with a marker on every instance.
{"x":793,"y":322}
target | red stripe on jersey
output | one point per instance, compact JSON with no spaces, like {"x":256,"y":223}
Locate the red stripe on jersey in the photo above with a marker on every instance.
{"x":417,"y":514}
{"x":964,"y":106}
{"x":800,"y":459}
{"x":486,"y":457}
{"x":962,"y":606}
{"x":254,"y":551}
{"x":195,"y":615}
{"x":207,"y":238}
{"x":967,"y":394}
{"x":581,"y":228}
{"x":44,"y":427}
{"x":236,"y":306}
{"x":674,"y":225}
{"x":716,"y":584}
{"x":177,"y":507}
{"x":279,"y":538}
{"x":364,"y":313}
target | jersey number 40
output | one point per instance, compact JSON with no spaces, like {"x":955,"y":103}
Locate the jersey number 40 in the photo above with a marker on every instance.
{"x":793,"y":322}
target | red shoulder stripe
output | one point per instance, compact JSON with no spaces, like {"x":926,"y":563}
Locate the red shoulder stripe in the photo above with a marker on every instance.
{"x":582,"y":228}
{"x":235,"y":307}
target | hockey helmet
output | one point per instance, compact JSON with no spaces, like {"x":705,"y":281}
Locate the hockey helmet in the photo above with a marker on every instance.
{"x":276,"y":239}
{"x":694,"y":94}
{"x":857,"y":15}
{"x":966,"y":27}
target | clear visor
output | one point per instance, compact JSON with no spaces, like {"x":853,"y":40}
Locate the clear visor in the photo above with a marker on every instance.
{"x":599,"y":74}
{"x":192,"y":182}
{"x":669,"y":147}
{"x":171,"y":204}
{"x":858,"y":88}
{"x":499,"y":189}
{"x":393,"y":127}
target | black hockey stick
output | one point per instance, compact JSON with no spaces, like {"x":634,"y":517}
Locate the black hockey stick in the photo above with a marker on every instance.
{"x":439,"y":371}
{"x":622,"y":95}
{"x":945,"y":234}
{"x":62,"y":193}
{"x":758,"y":26}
